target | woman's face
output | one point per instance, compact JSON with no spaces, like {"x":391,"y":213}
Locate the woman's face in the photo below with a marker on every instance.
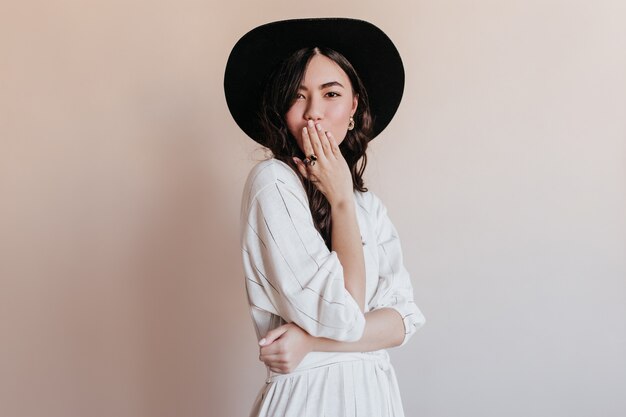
{"x":325,"y":96}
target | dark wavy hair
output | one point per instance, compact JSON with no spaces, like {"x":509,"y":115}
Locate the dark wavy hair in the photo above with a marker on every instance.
{"x":279,"y":95}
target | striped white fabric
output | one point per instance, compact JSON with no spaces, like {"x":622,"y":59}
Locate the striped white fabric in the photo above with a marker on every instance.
{"x":291,"y":276}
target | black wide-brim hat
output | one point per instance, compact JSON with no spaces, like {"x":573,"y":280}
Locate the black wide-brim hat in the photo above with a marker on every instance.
{"x":254,"y":57}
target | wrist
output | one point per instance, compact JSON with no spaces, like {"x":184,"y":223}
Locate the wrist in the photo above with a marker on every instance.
{"x":346,"y":203}
{"x":313,"y":343}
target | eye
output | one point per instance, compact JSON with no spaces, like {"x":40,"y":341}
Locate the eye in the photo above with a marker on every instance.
{"x":299,"y":96}
{"x":333,"y":94}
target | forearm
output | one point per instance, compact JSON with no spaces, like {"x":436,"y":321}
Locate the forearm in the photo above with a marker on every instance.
{"x":346,"y":241}
{"x":384,"y":328}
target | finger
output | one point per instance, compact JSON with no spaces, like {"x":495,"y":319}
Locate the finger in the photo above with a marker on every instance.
{"x":333,"y":145}
{"x":273,"y":364}
{"x":269,"y":361}
{"x":314,"y":131}
{"x":273,"y":335}
{"x":273,"y":349}
{"x":278,"y":367}
{"x":326,"y":145}
{"x":301,"y":167}
{"x":306,"y":141}
{"x":273,"y":359}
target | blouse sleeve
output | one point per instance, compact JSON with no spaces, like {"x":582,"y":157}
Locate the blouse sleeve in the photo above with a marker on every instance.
{"x":288,"y":257}
{"x":394,"y":290}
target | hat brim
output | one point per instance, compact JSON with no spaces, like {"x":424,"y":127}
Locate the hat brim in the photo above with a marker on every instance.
{"x":258,"y":52}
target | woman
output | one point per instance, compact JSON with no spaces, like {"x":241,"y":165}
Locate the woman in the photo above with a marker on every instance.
{"x":327,"y":288}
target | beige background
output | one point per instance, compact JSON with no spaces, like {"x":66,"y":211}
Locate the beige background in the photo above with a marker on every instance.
{"x":121,"y":172}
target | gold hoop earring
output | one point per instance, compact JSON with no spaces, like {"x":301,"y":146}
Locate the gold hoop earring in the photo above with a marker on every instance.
{"x":351,"y":123}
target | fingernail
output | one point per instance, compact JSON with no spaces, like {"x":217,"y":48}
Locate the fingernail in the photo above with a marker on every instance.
{"x":311,"y":123}
{"x":304,"y":130}
{"x":295,"y":160}
{"x":319,"y":126}
{"x":262,"y":342}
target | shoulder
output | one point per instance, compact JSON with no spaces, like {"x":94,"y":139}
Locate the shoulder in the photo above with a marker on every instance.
{"x":270,"y":173}
{"x":369,"y":202}
{"x":375,"y":210}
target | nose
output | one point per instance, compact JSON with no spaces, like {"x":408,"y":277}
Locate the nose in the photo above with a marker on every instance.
{"x":313,"y":110}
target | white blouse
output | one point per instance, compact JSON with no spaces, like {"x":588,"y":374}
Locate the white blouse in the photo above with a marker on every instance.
{"x":292,"y":276}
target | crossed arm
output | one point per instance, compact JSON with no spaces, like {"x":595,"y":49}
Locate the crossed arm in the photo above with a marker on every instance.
{"x":339,"y":323}
{"x":284,"y":347}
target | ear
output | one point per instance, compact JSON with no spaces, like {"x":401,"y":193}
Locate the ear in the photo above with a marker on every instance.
{"x":355,"y":103}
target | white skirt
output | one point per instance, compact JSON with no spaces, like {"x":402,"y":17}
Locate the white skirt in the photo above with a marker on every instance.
{"x":346,"y":387}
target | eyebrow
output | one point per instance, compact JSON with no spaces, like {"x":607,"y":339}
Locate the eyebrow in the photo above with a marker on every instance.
{"x":323,"y":86}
